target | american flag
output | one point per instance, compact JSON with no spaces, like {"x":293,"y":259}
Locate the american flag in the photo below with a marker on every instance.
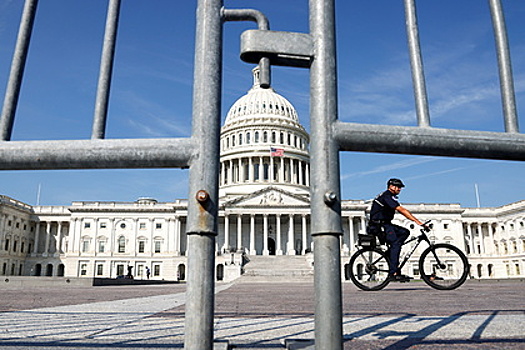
{"x":276,"y":152}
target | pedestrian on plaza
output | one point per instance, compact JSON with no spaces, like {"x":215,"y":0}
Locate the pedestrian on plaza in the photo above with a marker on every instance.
{"x":384,"y":207}
{"x":148,"y":272}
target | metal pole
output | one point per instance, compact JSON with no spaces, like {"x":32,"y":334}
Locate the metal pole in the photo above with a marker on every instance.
{"x":505,"y":67}
{"x":325,"y":187}
{"x":204,"y":177}
{"x":416,"y":64}
{"x":262,"y":24}
{"x":17,"y":70}
{"x":106,"y":69}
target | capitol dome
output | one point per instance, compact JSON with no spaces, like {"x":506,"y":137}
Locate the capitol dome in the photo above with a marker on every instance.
{"x":262,"y":144}
{"x":260,"y":102}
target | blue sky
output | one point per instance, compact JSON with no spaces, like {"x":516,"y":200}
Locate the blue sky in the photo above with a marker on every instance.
{"x":152,"y":91}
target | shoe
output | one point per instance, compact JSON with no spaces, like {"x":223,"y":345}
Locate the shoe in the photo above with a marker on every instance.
{"x":399,"y":278}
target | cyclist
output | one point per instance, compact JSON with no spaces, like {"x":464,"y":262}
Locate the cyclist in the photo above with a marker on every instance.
{"x":382,"y":212}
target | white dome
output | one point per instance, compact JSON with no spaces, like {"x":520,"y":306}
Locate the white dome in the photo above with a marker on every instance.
{"x":261,"y":102}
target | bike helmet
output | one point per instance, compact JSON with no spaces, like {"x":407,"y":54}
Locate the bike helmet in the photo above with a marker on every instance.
{"x":395,"y":182}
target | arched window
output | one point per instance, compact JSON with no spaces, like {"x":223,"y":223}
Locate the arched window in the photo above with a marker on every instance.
{"x":265,"y":137}
{"x":256,"y":137}
{"x":122,"y":244}
{"x":240,"y":139}
{"x":248,"y":138}
{"x":274,"y":137}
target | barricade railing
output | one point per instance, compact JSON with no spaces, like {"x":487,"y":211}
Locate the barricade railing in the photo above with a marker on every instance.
{"x":200,"y":152}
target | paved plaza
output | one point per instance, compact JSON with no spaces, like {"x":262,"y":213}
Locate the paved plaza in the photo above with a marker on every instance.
{"x":253,"y":314}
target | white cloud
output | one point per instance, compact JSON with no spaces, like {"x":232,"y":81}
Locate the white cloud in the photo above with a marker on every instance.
{"x":388,"y":168}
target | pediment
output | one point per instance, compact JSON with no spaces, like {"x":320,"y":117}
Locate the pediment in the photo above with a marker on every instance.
{"x":268,"y":197}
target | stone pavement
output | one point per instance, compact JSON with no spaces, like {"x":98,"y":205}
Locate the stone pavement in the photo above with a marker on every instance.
{"x":255,"y":315}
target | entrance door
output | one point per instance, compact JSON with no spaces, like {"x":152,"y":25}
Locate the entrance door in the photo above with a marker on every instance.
{"x":271,"y":246}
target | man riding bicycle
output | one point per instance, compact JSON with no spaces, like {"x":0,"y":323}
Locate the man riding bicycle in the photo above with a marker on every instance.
{"x":382,"y":213}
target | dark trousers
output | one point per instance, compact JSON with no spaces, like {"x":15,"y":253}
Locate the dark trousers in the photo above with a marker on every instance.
{"x":395,"y":237}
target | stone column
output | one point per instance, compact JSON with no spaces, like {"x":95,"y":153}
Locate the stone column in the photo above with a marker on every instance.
{"x":351,"y":232}
{"x":48,"y":237}
{"x":305,"y":239}
{"x":362,"y":228}
{"x":222,"y":179}
{"x":292,"y":171}
{"x":242,"y":173}
{"x":37,"y":238}
{"x":261,"y":169}
{"x":93,"y":247}
{"x":471,"y":239}
{"x":250,"y":169}
{"x":226,"y":231}
{"x":307,"y":174}
{"x":177,"y":235}
{"x":290,"y":245}
{"x":491,"y":238}
{"x":278,"y":243}
{"x":112,"y":236}
{"x":300,"y":166}
{"x":252,"y":235}
{"x":171,"y":236}
{"x":152,"y":234}
{"x":239,"y":232}
{"x":133,"y":245}
{"x":230,"y":171}
{"x":265,"y":235}
{"x":58,"y":243}
{"x":481,"y":239}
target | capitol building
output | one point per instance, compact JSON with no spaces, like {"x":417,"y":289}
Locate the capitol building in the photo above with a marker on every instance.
{"x":264,"y":217}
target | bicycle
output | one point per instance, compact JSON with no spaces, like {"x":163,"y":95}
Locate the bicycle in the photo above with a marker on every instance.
{"x":441,"y":265}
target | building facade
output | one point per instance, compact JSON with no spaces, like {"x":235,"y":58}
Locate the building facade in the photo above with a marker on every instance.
{"x":264,"y":210}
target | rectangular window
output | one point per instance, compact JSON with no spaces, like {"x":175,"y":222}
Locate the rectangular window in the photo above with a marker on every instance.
{"x":158,"y":226}
{"x":142,"y":246}
{"x":83,"y":269}
{"x":101,"y":246}
{"x":103,"y":225}
{"x":100,"y":270}
{"x":6,"y":247}
{"x":120,"y":270}
{"x":122,"y":245}
{"x":142,"y":225}
{"x":157,"y":246}
{"x":156,"y":270}
{"x":85,"y":246}
{"x":87,"y":224}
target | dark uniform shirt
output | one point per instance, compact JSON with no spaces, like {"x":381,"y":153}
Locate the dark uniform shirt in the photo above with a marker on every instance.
{"x":384,"y":207}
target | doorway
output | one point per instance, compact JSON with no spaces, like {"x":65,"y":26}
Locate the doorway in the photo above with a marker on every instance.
{"x":271,"y":246}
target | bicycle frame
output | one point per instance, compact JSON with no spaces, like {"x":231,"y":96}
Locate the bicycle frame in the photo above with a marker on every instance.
{"x":422,"y":237}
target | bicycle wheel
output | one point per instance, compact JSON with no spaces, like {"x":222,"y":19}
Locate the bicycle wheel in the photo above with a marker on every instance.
{"x":443,"y":266}
{"x":369,"y":269}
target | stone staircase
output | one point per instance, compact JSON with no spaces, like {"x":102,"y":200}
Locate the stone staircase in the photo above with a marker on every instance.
{"x":279,"y":267}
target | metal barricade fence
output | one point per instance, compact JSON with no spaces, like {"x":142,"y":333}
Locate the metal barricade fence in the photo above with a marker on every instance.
{"x":200,"y":152}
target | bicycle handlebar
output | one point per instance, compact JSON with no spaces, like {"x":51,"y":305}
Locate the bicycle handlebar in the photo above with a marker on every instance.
{"x":426,"y":226}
